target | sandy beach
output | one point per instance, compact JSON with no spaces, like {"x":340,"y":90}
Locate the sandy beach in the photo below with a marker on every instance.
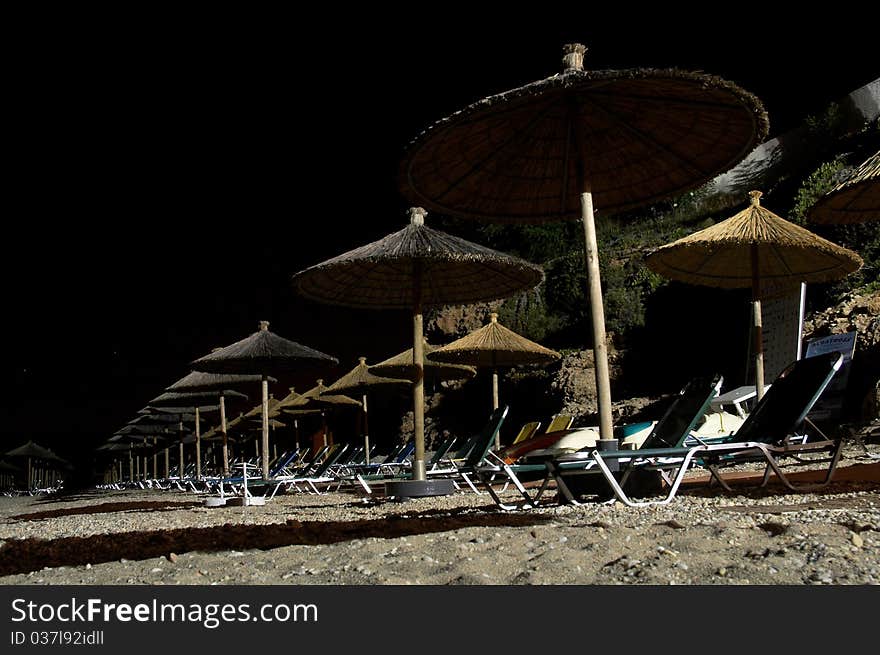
{"x":749,"y":537}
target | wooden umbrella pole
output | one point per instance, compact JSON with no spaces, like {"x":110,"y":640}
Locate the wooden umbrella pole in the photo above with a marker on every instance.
{"x":130,"y":465}
{"x":198,"y":447}
{"x":180,"y":453}
{"x":167,"y":463}
{"x":366,"y":431}
{"x":30,"y":480}
{"x":600,"y":349}
{"x":495,"y":404}
{"x":418,"y":468}
{"x":223,"y":434}
{"x":758,"y":334}
{"x":156,"y":458}
{"x":265,"y":455}
{"x":418,"y":464}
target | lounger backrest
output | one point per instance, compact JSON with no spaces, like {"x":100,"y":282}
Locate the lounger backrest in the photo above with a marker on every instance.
{"x":285,"y":461}
{"x":527,"y":431}
{"x":787,"y":402}
{"x":442,"y":448}
{"x":486,"y":438}
{"x":329,"y":461}
{"x":560,"y":422}
{"x":681,"y":417}
{"x":405,"y":452}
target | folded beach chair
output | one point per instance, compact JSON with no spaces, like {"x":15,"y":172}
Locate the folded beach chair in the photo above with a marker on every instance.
{"x":776,"y":429}
{"x":675,"y":426}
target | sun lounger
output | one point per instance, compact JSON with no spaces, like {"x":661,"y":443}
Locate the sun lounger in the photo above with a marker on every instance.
{"x":671,"y":431}
{"x":480,"y":446}
{"x":777,"y":429}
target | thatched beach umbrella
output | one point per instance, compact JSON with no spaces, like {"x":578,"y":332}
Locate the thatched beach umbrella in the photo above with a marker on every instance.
{"x":494,"y":346}
{"x":262,"y":353}
{"x":411,"y":269}
{"x":196,"y":402}
{"x":32,"y":451}
{"x":401,"y":366}
{"x":200,"y":381}
{"x":318,"y":398}
{"x":357,"y":382}
{"x":550,"y":149}
{"x":855,"y":200}
{"x":753,"y":247}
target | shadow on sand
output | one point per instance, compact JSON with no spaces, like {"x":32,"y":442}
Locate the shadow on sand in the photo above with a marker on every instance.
{"x":26,"y":555}
{"x":104,"y":508}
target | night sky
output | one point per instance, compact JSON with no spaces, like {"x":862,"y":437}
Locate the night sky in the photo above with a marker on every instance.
{"x":171,"y":174}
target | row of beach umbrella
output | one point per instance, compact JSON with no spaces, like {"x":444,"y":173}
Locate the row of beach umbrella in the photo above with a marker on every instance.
{"x":571,"y":146}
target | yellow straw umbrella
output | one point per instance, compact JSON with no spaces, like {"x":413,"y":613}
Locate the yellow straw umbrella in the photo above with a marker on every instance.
{"x":750,"y":248}
{"x":494,"y":346}
{"x":357,"y":381}
{"x":854,"y":200}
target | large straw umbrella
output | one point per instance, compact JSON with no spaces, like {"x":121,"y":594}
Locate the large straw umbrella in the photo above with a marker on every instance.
{"x":494,"y":346}
{"x":855,"y":200}
{"x":200,"y":381}
{"x":746,"y":250}
{"x":358,"y":381}
{"x":262,"y":353}
{"x":401,"y":366}
{"x":411,"y":269}
{"x":546,"y":151}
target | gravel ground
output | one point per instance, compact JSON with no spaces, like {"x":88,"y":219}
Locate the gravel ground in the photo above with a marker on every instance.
{"x":163,"y":537}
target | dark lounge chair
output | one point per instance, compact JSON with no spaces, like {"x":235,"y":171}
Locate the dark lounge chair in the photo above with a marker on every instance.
{"x":777,"y":429}
{"x":671,"y":431}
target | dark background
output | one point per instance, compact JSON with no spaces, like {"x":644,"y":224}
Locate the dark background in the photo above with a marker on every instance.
{"x":170,"y":173}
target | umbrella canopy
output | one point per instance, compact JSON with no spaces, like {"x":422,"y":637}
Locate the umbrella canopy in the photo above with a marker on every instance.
{"x":201,"y":381}
{"x":416,"y":267}
{"x":401,"y":366}
{"x":7,"y":467}
{"x":201,"y":399}
{"x":159,"y":418}
{"x":748,"y":249}
{"x":261,"y":353}
{"x":358,"y":379}
{"x":317,"y":399}
{"x":357,"y":382}
{"x":494,"y":346}
{"x":549,"y":150}
{"x":34,"y":450}
{"x":855,"y":200}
